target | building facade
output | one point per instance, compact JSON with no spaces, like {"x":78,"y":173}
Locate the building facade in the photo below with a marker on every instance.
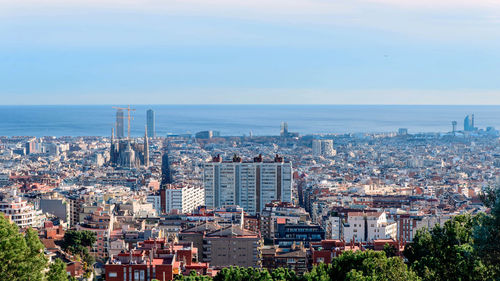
{"x":150,"y":117}
{"x":323,"y":148}
{"x":232,"y":246}
{"x":250,"y":185}
{"x":20,"y":211}
{"x":184,"y":199}
{"x":366,"y":227}
{"x":119,"y":124}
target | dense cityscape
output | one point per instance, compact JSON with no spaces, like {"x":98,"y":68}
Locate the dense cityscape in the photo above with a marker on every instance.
{"x":162,"y":207}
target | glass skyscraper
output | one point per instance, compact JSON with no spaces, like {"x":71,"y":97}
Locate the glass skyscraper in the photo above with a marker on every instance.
{"x":150,"y":117}
{"x":119,"y":124}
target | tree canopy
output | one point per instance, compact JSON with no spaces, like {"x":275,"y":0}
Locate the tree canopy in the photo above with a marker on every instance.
{"x":21,"y":255}
{"x":363,"y":265}
{"x":487,"y":233}
{"x":57,"y":271}
{"x":77,"y":242}
{"x":447,"y":252}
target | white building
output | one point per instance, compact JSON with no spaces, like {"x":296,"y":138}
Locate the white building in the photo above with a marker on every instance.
{"x":183,"y":199}
{"x":155,"y":200}
{"x":366,"y":227}
{"x":20,"y":212}
{"x":334,"y":227}
{"x":250,"y":185}
{"x":323,"y":148}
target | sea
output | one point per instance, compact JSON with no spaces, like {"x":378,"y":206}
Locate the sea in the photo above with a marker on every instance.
{"x":239,"y":120}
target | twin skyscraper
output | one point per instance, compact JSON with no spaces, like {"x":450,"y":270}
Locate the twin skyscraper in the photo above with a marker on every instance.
{"x":120,"y":117}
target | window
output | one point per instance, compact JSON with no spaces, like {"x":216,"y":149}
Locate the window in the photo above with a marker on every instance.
{"x":113,"y":274}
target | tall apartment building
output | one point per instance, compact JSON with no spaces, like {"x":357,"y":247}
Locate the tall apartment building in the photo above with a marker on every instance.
{"x":250,"y":185}
{"x":323,"y":148}
{"x":184,"y":199}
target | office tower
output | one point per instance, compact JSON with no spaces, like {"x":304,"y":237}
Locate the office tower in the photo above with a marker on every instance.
{"x":323,"y":148}
{"x":454,"y":126}
{"x":403,"y":131}
{"x":146,"y":148}
{"x":469,"y":125}
{"x":119,"y":123}
{"x":250,"y":185}
{"x":150,"y":116}
{"x":166,"y":174}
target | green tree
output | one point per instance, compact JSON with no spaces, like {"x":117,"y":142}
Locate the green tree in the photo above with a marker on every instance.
{"x":35,"y":261}
{"x":390,"y":250}
{"x":319,"y":273}
{"x":447,"y":252}
{"x":369,"y":265}
{"x":283,"y":274}
{"x":78,"y":243}
{"x":57,"y":271}
{"x":243,"y":274}
{"x":193,"y":276}
{"x":487,"y":232}
{"x":21,"y":256}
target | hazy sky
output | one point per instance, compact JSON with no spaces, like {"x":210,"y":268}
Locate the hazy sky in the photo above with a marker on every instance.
{"x":250,"y":51}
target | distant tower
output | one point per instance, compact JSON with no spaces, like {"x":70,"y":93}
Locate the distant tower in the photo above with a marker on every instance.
{"x":473,"y":128}
{"x":146,"y":148}
{"x":150,"y":116}
{"x":454,"y":126}
{"x":467,"y":124}
{"x":284,"y":129}
{"x":119,"y":124}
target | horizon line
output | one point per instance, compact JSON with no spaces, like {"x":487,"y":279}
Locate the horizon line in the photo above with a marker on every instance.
{"x":245,"y":104}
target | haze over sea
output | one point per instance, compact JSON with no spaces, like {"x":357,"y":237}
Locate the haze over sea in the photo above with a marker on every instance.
{"x":237,"y":120}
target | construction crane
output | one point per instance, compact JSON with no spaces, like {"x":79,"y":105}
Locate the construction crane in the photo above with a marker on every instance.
{"x":128,"y":109}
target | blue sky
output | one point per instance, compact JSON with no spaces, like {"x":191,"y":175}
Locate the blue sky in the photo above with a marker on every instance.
{"x":263,"y":51}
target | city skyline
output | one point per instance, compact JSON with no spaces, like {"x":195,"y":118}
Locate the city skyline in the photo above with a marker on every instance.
{"x":272,"y":140}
